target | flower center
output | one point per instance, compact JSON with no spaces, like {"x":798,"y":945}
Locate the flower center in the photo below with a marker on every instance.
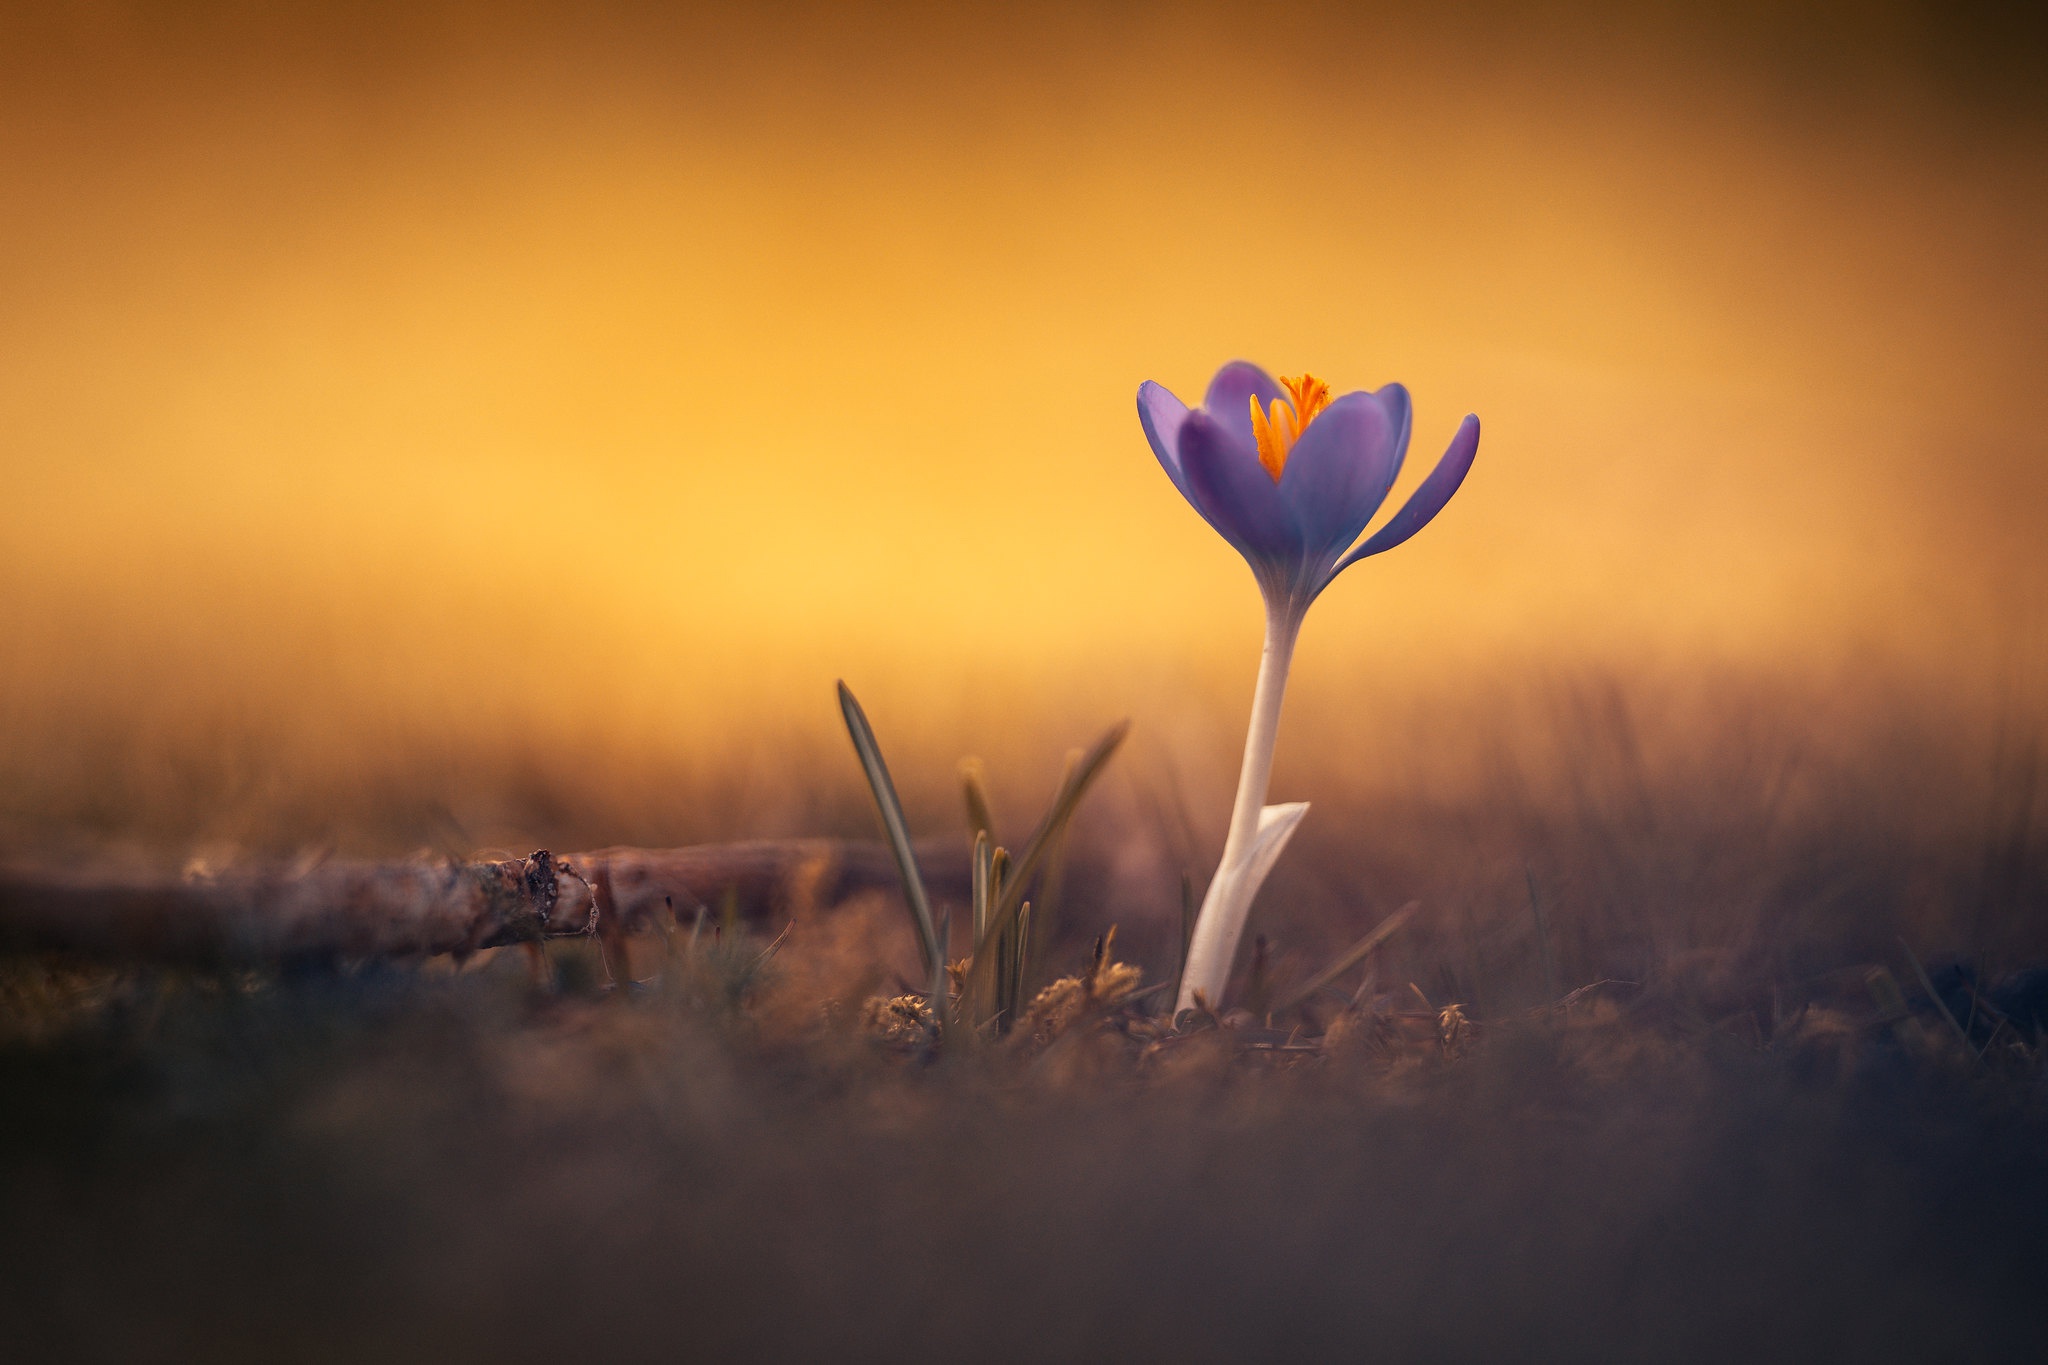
{"x":1276,"y":432}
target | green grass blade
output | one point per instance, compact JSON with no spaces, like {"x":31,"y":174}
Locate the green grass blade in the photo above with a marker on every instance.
{"x":998,"y":876}
{"x":1045,"y":903}
{"x":1001,"y":1009}
{"x":893,"y":825}
{"x":981,"y":980}
{"x":1004,"y":948}
{"x":1019,"y":964}
{"x":1080,"y":775}
{"x":974,"y":784}
{"x":984,"y":864}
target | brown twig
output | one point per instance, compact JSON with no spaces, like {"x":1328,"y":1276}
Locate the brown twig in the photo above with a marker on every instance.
{"x":272,"y":912}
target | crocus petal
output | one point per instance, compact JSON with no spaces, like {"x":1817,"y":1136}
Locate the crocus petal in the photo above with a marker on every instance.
{"x":1161,"y":414}
{"x":1338,"y":474}
{"x":1394,"y":398}
{"x":1426,"y":501}
{"x":1229,"y":399}
{"x":1232,"y":490}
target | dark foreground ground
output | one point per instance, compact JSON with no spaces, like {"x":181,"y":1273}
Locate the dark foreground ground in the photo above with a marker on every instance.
{"x":421,"y":1165}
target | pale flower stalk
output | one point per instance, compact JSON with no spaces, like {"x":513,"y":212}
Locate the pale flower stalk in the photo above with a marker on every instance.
{"x":1290,"y":478}
{"x":1258,"y":832}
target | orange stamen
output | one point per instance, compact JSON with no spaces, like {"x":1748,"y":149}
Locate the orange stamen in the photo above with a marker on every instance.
{"x":1277,"y":432}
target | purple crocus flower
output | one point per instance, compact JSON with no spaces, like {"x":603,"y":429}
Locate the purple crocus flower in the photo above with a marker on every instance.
{"x":1290,"y":478}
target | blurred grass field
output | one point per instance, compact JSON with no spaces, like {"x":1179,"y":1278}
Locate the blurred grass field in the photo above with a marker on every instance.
{"x":1757,"y":1135}
{"x":1766,"y":823}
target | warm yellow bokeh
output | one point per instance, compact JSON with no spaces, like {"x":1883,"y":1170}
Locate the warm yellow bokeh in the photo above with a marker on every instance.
{"x":647,"y":372}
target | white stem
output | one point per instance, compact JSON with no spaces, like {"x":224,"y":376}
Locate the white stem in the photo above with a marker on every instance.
{"x":1220,"y":924}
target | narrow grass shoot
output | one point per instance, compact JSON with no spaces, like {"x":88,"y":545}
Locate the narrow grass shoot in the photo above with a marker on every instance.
{"x":974,"y":784}
{"x":1002,"y":920}
{"x":984,"y":865}
{"x":896,"y":828}
{"x":981,"y":978}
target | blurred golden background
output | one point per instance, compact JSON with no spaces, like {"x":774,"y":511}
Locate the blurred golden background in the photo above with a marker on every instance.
{"x":381,"y":385}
